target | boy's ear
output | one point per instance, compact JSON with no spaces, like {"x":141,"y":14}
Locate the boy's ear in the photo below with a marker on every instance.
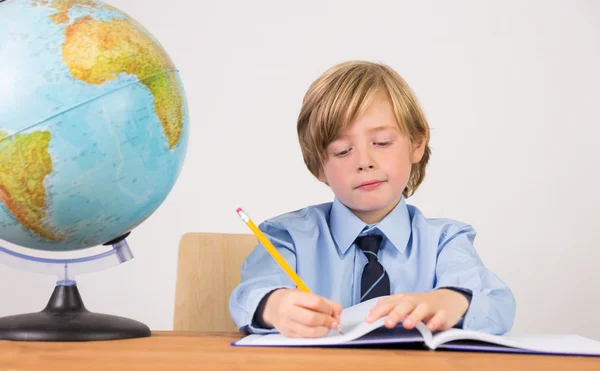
{"x":321,"y":177}
{"x":418,"y":151}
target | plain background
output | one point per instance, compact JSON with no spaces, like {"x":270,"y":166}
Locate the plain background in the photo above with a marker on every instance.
{"x":510,"y":89}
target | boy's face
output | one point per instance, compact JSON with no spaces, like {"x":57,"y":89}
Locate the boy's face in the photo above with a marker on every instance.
{"x":369,"y":165}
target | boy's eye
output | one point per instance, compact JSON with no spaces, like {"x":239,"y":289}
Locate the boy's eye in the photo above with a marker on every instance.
{"x":342,"y":153}
{"x":382,"y":144}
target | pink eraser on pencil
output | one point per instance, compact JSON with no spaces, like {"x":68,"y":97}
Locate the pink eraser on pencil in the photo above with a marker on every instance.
{"x":238,"y":210}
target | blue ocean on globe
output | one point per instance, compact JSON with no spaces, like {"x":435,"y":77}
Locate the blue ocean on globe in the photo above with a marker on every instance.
{"x":94,"y":124}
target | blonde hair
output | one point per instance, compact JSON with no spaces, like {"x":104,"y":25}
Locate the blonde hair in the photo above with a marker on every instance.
{"x":341,"y":94}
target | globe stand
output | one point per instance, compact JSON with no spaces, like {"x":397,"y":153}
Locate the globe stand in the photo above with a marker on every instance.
{"x":65,"y":317}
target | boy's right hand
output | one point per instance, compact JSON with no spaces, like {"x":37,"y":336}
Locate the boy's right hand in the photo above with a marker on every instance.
{"x":295,"y":313}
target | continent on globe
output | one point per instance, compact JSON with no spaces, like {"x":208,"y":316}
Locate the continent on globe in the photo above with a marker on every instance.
{"x":24,"y":163}
{"x":63,"y":6}
{"x":96,"y":51}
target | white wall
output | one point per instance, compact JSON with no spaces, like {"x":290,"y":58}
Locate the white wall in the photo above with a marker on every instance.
{"x":509,"y":89}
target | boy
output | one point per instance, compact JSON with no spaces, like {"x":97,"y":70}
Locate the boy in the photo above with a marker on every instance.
{"x":362,"y":133}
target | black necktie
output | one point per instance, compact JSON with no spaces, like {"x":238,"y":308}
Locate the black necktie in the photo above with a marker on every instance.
{"x":375,"y":281}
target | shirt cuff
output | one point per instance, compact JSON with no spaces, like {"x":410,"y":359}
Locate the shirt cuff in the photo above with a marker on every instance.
{"x":478,"y":308}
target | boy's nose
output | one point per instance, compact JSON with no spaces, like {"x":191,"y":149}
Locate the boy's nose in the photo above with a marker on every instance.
{"x":366,"y":163}
{"x":365,"y":167}
{"x":365,"y":160}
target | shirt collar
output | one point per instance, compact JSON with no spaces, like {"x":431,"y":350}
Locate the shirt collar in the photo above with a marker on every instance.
{"x":345,"y":226}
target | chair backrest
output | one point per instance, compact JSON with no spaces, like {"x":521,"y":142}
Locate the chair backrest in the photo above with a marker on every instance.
{"x":208,"y":269}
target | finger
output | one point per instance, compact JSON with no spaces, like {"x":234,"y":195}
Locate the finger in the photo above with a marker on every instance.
{"x":337,"y":309}
{"x":303,"y":331}
{"x":310,"y":318}
{"x":421,"y":311}
{"x":439,"y":321}
{"x":382,"y":308}
{"x":284,"y":328}
{"x":315,"y":303}
{"x":288,"y":333}
{"x":399,"y":312}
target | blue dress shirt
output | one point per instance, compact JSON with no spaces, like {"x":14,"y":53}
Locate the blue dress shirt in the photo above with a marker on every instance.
{"x":419,"y":255}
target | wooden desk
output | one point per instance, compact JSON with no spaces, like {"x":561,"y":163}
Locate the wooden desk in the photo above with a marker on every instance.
{"x":196,"y":351}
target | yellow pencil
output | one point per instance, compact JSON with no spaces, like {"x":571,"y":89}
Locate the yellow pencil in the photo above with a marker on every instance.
{"x":275,"y":254}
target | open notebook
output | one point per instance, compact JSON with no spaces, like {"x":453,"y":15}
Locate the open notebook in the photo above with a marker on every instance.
{"x":357,"y":332}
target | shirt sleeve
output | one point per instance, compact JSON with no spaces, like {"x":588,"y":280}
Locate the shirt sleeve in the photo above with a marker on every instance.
{"x":260,"y":275}
{"x":492,"y":306}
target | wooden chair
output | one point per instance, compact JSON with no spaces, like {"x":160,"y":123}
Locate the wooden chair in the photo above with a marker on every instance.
{"x":208,"y":269}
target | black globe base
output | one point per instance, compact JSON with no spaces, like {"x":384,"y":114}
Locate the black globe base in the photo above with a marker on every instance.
{"x":65,"y":318}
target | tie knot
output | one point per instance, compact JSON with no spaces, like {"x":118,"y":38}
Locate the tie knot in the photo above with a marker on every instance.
{"x":369,"y":245}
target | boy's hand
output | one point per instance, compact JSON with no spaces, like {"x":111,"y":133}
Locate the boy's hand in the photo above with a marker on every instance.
{"x":295,"y":313}
{"x":439,"y":310}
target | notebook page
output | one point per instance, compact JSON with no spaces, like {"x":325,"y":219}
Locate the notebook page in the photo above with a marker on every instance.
{"x":543,"y":343}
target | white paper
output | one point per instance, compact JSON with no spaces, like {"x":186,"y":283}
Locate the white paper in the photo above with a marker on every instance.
{"x":544,"y":343}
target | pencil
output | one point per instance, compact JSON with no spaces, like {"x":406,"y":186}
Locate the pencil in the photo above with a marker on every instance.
{"x":275,"y":254}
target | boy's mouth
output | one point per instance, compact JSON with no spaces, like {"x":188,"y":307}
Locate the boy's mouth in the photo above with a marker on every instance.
{"x":370,"y":184}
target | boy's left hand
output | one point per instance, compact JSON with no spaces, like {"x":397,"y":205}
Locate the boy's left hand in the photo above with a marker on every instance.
{"x":439,"y":310}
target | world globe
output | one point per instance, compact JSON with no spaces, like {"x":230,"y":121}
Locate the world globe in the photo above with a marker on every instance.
{"x":93,"y":124}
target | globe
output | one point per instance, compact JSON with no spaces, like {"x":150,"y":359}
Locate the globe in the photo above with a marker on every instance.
{"x":93,"y":123}
{"x":93,"y":136}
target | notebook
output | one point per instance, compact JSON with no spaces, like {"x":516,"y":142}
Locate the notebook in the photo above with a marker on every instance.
{"x":356,"y":332}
